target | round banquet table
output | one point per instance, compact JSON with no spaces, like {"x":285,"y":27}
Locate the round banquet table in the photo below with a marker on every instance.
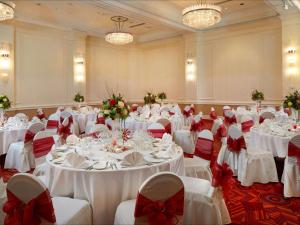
{"x":8,"y":136}
{"x":105,"y":189}
{"x":278,"y":145}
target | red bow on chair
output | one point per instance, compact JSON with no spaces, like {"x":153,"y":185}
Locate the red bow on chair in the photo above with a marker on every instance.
{"x":213,"y":115}
{"x":41,"y":116}
{"x":187,"y":113}
{"x":261,"y":119}
{"x":222,"y":176}
{"x":197,"y":126}
{"x":236,"y":145}
{"x":246,"y":126}
{"x":29,"y":136}
{"x":64,"y":129}
{"x":230,"y":120}
{"x":20,"y":213}
{"x":160,"y":212}
{"x":171,"y":113}
{"x":294,"y":150}
{"x":221,"y":132}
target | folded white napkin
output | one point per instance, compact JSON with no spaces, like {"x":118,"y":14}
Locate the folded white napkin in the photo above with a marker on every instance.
{"x":72,"y":140}
{"x":166,"y":138}
{"x":133,"y":159}
{"x":76,"y":161}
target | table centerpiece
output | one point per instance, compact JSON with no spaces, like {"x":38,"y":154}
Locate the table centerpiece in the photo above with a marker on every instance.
{"x":292,"y":101}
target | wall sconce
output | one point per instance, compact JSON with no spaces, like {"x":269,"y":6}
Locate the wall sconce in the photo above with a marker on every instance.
{"x":190,"y":69}
{"x":4,"y":58}
{"x":292,"y":69}
{"x":79,"y":69}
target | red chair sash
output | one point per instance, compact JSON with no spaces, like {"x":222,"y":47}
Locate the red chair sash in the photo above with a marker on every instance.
{"x":42,"y":146}
{"x":134,"y":108}
{"x":160,"y":212}
{"x":222,"y":177}
{"x":230,"y":120}
{"x":168,"y":128}
{"x":187,"y":113}
{"x":41,"y":116}
{"x":246,"y":126}
{"x":171,"y":113}
{"x":294,"y":150}
{"x":20,"y":213}
{"x":204,"y":148}
{"x":52,"y":124}
{"x":70,"y":118}
{"x":188,"y":155}
{"x":236,"y":145}
{"x":197,"y":126}
{"x":64,"y":130}
{"x":157,"y":133}
{"x":100,"y":120}
{"x":213,"y":115}
{"x":29,"y":136}
{"x":261,"y":119}
{"x":221,"y":132}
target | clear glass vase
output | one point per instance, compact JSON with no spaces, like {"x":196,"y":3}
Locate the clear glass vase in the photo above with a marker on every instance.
{"x":115,"y":128}
{"x":2,"y":117}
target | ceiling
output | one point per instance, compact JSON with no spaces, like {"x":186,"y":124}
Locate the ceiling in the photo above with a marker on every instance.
{"x":148,"y":19}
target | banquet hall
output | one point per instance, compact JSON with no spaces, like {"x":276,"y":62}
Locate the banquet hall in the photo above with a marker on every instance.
{"x":157,"y":112}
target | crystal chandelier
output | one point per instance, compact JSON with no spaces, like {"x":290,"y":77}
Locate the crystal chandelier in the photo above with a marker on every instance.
{"x":119,"y":37}
{"x":201,"y":15}
{"x":6,"y":10}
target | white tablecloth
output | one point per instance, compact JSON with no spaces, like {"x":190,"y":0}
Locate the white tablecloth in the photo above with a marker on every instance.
{"x":8,"y":136}
{"x":278,"y":145}
{"x":107,"y":188}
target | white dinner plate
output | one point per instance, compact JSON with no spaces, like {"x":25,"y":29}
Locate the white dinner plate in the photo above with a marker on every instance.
{"x":150,"y":159}
{"x":58,"y":160}
{"x":100,"y":166}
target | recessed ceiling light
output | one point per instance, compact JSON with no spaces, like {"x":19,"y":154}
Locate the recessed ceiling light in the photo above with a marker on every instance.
{"x":38,"y":4}
{"x":242,"y":3}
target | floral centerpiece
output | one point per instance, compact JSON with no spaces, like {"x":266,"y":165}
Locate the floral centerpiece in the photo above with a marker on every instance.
{"x":116,"y":109}
{"x":292,"y":101}
{"x":162,"y":96}
{"x":257,"y":96}
{"x":150,"y":98}
{"x":78,"y":98}
{"x":4,"y":104}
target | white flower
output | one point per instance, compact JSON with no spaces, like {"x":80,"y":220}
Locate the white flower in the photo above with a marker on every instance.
{"x":4,"y":99}
{"x":1,"y":105}
{"x":121,"y":104}
{"x":106,"y":112}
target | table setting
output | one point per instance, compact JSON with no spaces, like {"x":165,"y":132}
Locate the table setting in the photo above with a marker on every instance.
{"x":98,"y":168}
{"x":274,"y":135}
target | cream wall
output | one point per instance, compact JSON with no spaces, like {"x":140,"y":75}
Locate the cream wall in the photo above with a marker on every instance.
{"x":233,"y":61}
{"x":135,"y":69}
{"x":230,"y":62}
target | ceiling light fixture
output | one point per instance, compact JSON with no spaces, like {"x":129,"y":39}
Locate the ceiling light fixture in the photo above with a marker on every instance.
{"x":201,"y":15}
{"x":119,"y":37}
{"x":6,"y":10}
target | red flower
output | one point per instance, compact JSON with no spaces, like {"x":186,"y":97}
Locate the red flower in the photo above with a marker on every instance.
{"x":112,"y":102}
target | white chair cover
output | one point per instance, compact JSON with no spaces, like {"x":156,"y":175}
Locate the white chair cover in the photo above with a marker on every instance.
{"x":20,"y":155}
{"x":67,"y":211}
{"x":291,"y":172}
{"x":158,"y":187}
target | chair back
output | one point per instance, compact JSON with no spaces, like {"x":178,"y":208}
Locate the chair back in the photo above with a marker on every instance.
{"x":246,"y":123}
{"x":65,"y":114}
{"x":160,"y":200}
{"x":204,"y":145}
{"x":167,"y":125}
{"x":213,"y":113}
{"x":218,"y":129}
{"x":21,"y":116}
{"x":229,"y":117}
{"x":266,"y":115}
{"x":157,"y":130}
{"x":235,"y":140}
{"x":28,"y":200}
{"x":32,"y":130}
{"x":42,"y":143}
{"x":134,"y":107}
{"x":53,"y":121}
{"x":294,"y":148}
{"x":197,"y":124}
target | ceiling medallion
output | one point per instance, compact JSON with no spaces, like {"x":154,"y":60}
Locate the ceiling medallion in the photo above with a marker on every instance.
{"x":201,"y":15}
{"x":119,"y":37}
{"x":6,"y":10}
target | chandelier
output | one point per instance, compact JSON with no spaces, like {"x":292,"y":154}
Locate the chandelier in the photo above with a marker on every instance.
{"x":201,"y":15}
{"x":119,"y":37}
{"x":6,"y":10}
